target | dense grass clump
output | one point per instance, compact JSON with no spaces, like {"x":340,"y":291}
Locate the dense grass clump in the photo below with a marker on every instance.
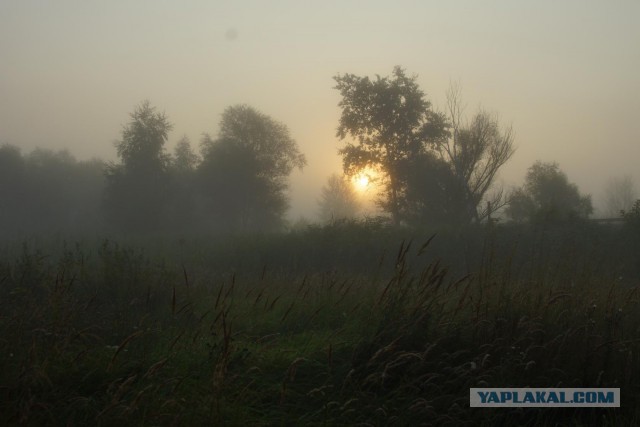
{"x":344,"y":325}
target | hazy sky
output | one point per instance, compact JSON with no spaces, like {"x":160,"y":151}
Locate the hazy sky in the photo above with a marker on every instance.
{"x":565,"y":74}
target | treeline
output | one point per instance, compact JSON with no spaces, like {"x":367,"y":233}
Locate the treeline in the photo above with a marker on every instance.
{"x":434,"y":169}
{"x":46,"y":190}
{"x":238,"y":181}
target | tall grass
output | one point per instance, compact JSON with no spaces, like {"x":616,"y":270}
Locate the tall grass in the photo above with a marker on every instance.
{"x":336,"y":326}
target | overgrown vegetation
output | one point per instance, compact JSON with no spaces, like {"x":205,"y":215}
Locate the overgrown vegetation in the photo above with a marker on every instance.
{"x":346,"y":324}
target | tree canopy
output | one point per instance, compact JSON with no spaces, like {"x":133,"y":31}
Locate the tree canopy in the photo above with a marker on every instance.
{"x":548,"y":196}
{"x":141,"y":148}
{"x":137,"y":186}
{"x":388,"y":120}
{"x":245,"y":170}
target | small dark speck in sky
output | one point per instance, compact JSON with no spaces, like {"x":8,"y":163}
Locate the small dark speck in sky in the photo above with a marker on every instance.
{"x":231,"y":34}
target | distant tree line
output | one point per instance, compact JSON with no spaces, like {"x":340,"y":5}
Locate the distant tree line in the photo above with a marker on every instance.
{"x":48,"y":190}
{"x":238,"y":182}
{"x":433,"y":168}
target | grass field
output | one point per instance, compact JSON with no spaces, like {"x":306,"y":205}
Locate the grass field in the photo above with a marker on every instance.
{"x":348,"y":324}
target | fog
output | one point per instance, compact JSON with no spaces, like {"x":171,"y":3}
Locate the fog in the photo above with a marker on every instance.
{"x":564,"y":74}
{"x":234,"y":212}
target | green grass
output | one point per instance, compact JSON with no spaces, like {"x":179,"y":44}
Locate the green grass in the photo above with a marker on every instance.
{"x":336,"y":326}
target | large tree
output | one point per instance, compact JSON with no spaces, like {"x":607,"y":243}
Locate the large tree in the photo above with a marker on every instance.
{"x":548,"y":196}
{"x":385,"y":122}
{"x":137,"y":186}
{"x":245,"y":170}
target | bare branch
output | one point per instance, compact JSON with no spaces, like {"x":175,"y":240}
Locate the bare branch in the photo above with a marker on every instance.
{"x":476,"y":151}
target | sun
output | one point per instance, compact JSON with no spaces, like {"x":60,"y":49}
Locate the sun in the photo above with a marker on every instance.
{"x":362,"y":182}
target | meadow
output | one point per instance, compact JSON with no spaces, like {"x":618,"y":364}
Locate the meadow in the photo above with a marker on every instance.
{"x":348,"y":324}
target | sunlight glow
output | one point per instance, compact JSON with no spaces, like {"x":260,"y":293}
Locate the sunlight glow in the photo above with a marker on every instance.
{"x":362,"y":182}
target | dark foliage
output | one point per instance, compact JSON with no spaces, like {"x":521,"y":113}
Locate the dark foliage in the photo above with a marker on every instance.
{"x":389,"y":121}
{"x":244,"y":172}
{"x":47,"y":191}
{"x":137,"y":187}
{"x":548,"y":196}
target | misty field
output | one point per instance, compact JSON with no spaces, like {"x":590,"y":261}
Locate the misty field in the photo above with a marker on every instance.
{"x":349,"y":324}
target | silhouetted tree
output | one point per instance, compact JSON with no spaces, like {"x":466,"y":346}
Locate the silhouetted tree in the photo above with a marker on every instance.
{"x":389,"y":121}
{"x":475,"y":152}
{"x":244,"y":172}
{"x":548,"y":196}
{"x":136,"y":188}
{"x":338,"y":199}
